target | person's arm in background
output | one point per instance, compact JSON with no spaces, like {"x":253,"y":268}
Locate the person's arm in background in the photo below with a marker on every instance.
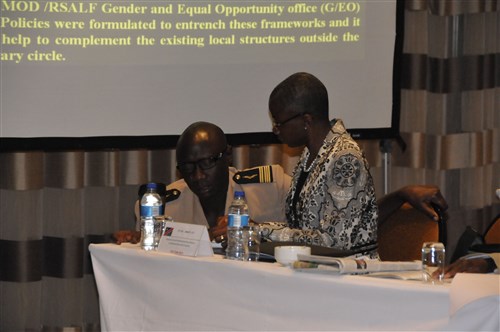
{"x":127,"y":236}
{"x":486,"y":263}
{"x":421,"y":197}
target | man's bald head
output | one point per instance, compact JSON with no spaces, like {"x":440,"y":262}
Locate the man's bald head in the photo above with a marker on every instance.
{"x":200,"y":135}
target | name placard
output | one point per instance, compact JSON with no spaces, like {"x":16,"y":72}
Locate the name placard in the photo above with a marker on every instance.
{"x":185,"y":239}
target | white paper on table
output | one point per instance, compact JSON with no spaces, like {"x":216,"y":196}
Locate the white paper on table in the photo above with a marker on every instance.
{"x":470,"y":287}
{"x":351,"y":265}
{"x":185,"y":239}
{"x":402,"y":275}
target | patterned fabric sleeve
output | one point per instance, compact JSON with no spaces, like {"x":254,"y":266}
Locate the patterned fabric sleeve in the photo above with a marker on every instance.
{"x":350,"y":213}
{"x":345,"y":206}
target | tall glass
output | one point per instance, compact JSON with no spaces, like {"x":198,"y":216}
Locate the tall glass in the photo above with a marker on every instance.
{"x":253,"y":242}
{"x":433,"y":258}
{"x":160,"y":223}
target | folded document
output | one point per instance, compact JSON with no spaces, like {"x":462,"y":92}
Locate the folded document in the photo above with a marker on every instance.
{"x":338,"y":265}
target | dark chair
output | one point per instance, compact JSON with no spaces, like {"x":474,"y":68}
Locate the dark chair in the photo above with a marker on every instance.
{"x":492,"y":234}
{"x":471,"y":241}
{"x":469,"y":238}
{"x":401,"y":236}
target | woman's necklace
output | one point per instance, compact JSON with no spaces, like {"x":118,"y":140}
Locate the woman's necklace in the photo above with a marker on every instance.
{"x":308,"y":169}
{"x":314,"y":162}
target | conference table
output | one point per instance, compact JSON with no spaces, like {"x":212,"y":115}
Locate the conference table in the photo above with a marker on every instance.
{"x":156,"y":291}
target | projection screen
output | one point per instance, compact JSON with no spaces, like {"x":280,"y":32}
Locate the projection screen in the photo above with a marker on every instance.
{"x":114,"y":72}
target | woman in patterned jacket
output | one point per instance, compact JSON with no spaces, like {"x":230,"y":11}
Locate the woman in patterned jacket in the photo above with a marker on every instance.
{"x":332,"y":200}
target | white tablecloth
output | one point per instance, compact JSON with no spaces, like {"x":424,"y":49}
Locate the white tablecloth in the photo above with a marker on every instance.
{"x":151,"y":291}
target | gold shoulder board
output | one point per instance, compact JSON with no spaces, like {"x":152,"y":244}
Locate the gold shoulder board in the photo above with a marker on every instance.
{"x":261,"y":174}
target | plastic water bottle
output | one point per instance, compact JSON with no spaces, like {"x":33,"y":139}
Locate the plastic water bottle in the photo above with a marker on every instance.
{"x":151,"y":206}
{"x":237,"y":219}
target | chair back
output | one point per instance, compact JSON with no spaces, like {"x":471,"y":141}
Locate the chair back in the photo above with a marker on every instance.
{"x":470,"y":238}
{"x":401,"y":236}
{"x":471,"y":241}
{"x":492,"y":234}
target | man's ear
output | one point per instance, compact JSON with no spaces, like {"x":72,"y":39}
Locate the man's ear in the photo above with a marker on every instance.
{"x":308,"y":119}
{"x":229,"y":155}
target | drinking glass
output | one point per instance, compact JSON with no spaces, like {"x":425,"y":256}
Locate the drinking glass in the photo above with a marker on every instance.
{"x":252,"y":235}
{"x":433,"y":258}
{"x":160,"y":223}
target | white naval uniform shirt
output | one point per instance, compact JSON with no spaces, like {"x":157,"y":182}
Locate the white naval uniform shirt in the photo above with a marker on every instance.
{"x":266,"y":200}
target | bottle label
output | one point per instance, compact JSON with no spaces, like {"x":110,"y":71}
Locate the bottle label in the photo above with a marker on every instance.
{"x":149,"y":211}
{"x":237,"y":220}
{"x":147,"y":234}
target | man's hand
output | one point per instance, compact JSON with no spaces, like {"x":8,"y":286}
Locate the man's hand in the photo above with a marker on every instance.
{"x":218,"y":233}
{"x":423,"y":198}
{"x":127,"y":236}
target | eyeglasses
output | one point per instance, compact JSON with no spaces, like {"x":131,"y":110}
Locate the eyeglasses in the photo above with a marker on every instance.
{"x":204,"y":164}
{"x":279,"y":124}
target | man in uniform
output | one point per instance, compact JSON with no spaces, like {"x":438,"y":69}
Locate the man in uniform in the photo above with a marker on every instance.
{"x":208,"y":183}
{"x":204,"y":194}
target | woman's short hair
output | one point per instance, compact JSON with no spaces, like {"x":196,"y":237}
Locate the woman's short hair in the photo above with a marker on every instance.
{"x":302,"y":92}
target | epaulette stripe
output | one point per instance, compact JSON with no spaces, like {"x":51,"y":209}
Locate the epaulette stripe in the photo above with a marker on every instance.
{"x":265,"y":174}
{"x":261,"y":174}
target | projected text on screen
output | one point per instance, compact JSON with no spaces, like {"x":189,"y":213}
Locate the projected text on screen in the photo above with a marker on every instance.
{"x":152,"y":31}
{"x":152,"y":67}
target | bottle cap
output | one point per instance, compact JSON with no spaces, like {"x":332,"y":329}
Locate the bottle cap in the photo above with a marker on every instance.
{"x":151,"y":185}
{"x":240,"y":194}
